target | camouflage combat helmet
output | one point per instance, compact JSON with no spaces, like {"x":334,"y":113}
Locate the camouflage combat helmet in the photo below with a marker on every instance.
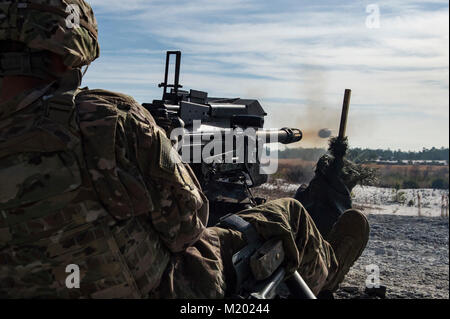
{"x":65,"y":27}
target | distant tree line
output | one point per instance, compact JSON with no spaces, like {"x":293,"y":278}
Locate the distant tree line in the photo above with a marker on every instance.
{"x":368,"y":155}
{"x":432,"y":154}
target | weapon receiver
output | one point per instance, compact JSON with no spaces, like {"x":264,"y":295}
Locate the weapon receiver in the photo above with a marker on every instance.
{"x":201,"y":118}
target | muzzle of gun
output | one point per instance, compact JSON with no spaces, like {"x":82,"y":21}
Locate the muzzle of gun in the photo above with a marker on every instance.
{"x":284,"y":136}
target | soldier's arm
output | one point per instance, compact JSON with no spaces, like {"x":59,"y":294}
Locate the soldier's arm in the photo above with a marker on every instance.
{"x":180,"y":208}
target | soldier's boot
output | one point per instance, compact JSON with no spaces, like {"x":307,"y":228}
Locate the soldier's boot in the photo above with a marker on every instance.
{"x":348,"y":237}
{"x":326,"y":198}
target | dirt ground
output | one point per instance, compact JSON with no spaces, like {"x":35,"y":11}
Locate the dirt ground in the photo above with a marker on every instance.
{"x":410,"y":252}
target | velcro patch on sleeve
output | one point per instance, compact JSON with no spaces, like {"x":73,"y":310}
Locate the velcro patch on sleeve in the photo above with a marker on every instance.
{"x":167,"y":159}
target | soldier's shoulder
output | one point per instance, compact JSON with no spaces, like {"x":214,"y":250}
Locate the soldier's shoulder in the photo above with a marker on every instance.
{"x":104,"y":101}
{"x":105,"y":98}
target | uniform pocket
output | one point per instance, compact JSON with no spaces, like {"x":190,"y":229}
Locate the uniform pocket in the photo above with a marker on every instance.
{"x":27,"y":178}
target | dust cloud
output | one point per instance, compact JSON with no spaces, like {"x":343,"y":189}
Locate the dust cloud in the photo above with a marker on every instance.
{"x":318,"y":119}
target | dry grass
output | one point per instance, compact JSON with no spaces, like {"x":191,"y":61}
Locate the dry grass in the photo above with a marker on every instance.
{"x":420,"y":176}
{"x":295,"y":170}
{"x":402,"y":176}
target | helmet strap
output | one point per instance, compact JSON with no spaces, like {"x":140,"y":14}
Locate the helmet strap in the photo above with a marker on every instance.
{"x":85,"y":69}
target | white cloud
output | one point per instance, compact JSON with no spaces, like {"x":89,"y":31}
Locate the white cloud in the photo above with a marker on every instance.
{"x":308,"y":54}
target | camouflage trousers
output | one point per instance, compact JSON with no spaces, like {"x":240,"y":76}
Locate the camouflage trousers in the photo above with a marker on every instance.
{"x":205,"y":270}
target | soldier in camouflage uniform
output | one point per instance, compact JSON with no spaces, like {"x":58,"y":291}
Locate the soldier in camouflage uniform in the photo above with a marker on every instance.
{"x":87,"y":178}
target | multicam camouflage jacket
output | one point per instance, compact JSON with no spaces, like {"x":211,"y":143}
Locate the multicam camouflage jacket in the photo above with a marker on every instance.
{"x":88,"y":179}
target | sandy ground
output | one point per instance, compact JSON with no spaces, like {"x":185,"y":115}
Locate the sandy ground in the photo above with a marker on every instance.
{"x":407,"y":202}
{"x":410,"y":252}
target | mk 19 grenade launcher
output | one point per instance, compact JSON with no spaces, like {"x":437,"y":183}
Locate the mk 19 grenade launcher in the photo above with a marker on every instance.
{"x":226,"y":171}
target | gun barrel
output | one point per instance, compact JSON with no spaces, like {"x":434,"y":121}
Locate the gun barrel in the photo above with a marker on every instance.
{"x":283,"y":136}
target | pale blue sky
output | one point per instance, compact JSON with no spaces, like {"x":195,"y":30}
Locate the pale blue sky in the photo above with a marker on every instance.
{"x":296,"y":57}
